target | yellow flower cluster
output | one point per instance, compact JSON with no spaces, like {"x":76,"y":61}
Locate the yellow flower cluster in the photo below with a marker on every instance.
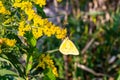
{"x":37,"y":32}
{"x":9,"y":42}
{"x":59,"y":0}
{"x":46,"y":62}
{"x":40,"y":26}
{"x":40,"y":2}
{"x":23,"y":27}
{"x":27,"y":7}
{"x":3,"y":10}
{"x":51,"y":29}
{"x":60,"y":33}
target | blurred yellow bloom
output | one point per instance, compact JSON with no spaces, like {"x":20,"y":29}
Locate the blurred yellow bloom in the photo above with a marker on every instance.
{"x":30,"y":13}
{"x":1,"y":41}
{"x":17,"y":5}
{"x":9,"y":42}
{"x":21,"y":28}
{"x":17,"y":1}
{"x":38,"y":20}
{"x":54,"y":69}
{"x":23,"y":5}
{"x":3,"y":10}
{"x":59,"y":0}
{"x":27,"y":27}
{"x":40,"y":2}
{"x":21,"y":33}
{"x":94,"y":19}
{"x":46,"y":62}
{"x":39,"y":25}
{"x":60,"y":33}
{"x":37,"y":32}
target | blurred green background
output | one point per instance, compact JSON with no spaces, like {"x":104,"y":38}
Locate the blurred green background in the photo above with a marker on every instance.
{"x":94,"y":27}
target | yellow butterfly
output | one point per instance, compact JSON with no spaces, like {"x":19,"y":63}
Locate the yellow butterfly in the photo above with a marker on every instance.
{"x":67,"y":47}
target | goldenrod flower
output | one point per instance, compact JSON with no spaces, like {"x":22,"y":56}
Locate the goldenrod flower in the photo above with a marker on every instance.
{"x":46,"y":62}
{"x":17,"y":1}
{"x":9,"y":42}
{"x":30,"y":13}
{"x":38,"y":20}
{"x":37,"y":32}
{"x":21,"y":28}
{"x":40,"y":2}
{"x":39,"y":26}
{"x":54,"y":69}
{"x":60,"y":33}
{"x":3,"y":10}
{"x":27,"y":27}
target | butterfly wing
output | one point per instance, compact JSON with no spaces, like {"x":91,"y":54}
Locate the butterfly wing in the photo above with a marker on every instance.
{"x":67,"y":47}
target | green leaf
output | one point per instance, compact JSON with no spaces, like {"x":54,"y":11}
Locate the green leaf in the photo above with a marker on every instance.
{"x":15,"y":62}
{"x":49,"y":74}
{"x":46,"y":78}
{"x":118,"y":75}
{"x":29,"y":64}
{"x":33,"y":41}
{"x":6,"y":60}
{"x":4,"y":72}
{"x":40,"y":11}
{"x":30,"y":39}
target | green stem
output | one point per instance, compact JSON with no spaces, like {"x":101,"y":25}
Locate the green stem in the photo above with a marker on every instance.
{"x":28,"y":65}
{"x":51,"y":51}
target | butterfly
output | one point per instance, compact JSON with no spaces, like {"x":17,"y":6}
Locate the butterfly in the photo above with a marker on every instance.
{"x":67,"y":47}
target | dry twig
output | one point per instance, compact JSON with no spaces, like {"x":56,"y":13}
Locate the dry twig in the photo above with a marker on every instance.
{"x":87,"y":46}
{"x":83,"y":67}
